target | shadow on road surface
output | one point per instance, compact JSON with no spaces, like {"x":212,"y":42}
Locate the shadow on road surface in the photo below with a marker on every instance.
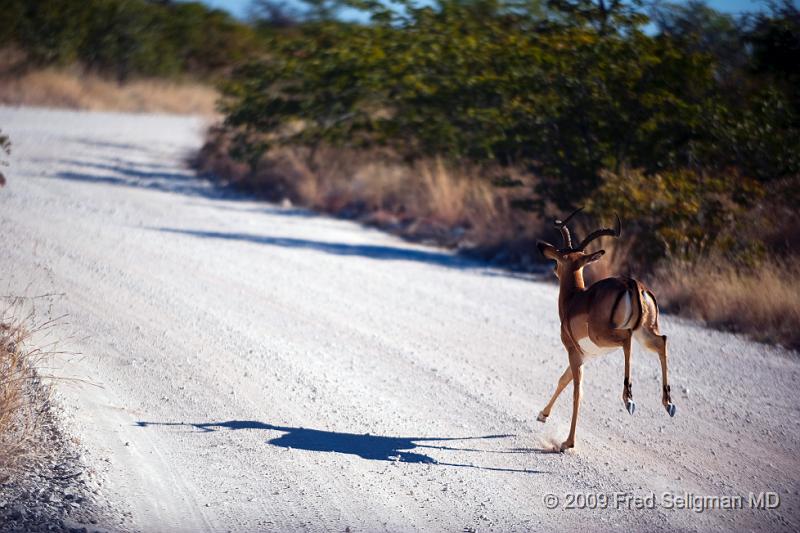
{"x":159,"y":180}
{"x":140,"y":175}
{"x":366,"y":446}
{"x":165,"y":178}
{"x":365,"y":250}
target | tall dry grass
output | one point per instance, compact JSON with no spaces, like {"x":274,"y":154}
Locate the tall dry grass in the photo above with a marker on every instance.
{"x":23,"y":395}
{"x":763,"y":302}
{"x":15,"y":416}
{"x":426,"y":197}
{"x":428,"y":200}
{"x":74,"y":88}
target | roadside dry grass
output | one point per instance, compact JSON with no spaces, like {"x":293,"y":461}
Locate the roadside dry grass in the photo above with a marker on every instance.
{"x":22,"y":396}
{"x":75,"y":88}
{"x":426,"y":201}
{"x":45,"y":485}
{"x":763,"y":302}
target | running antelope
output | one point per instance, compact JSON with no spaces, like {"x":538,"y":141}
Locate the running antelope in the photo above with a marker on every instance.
{"x":602,"y":318}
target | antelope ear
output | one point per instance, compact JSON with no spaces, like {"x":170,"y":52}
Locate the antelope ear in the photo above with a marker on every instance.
{"x":548,"y":250}
{"x":591,"y":258}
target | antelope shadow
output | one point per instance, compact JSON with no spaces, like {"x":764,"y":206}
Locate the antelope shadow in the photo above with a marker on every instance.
{"x":366,"y":446}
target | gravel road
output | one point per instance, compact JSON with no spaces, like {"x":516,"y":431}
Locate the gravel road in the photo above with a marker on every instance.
{"x":252,"y":367}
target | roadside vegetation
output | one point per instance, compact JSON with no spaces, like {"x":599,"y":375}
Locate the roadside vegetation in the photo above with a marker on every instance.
{"x":72,"y":88}
{"x":22,"y":395}
{"x":126,"y":39}
{"x":44,"y":485}
{"x":761,"y":300}
{"x":473,"y":123}
{"x":127,"y":55}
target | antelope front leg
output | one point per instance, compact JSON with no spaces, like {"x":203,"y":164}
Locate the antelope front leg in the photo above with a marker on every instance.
{"x":563,"y":381}
{"x":577,"y":378}
{"x":627,"y":387}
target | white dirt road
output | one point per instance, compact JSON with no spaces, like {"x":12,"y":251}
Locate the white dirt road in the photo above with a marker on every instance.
{"x":261,"y":368}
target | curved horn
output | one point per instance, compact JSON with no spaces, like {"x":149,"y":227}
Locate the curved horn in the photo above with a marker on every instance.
{"x":600,"y":232}
{"x":562,"y":225}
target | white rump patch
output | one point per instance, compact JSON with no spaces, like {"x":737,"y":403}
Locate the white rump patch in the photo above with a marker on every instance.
{"x":624,"y":312}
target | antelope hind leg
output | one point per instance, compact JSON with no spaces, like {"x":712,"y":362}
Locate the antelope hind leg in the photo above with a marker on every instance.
{"x":627,"y":387}
{"x":658,"y":344}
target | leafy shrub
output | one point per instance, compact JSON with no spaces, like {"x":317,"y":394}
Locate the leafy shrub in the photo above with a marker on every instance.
{"x":682,"y":214}
{"x":486,"y":81}
{"x":574,"y":91}
{"x":127,"y":38}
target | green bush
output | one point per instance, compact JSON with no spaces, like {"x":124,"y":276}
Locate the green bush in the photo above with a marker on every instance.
{"x":126,"y":38}
{"x":575,"y":91}
{"x":681,"y":214}
{"x":484,"y":80}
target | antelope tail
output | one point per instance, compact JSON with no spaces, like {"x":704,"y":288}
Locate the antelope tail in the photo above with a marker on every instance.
{"x":628,"y":307}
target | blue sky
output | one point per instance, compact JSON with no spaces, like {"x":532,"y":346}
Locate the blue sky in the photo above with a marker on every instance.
{"x":239,"y":7}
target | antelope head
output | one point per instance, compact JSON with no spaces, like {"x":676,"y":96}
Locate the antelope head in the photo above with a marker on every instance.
{"x":570,"y":259}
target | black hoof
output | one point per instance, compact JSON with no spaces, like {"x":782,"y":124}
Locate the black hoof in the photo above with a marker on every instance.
{"x":630,"y":406}
{"x":671,"y":409}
